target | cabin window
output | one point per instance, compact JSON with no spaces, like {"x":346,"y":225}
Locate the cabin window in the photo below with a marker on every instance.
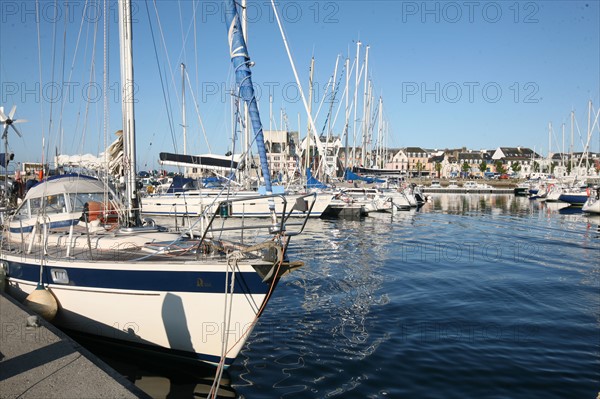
{"x":24,"y":210}
{"x":55,"y":203}
{"x":34,"y":205}
{"x":77,"y":201}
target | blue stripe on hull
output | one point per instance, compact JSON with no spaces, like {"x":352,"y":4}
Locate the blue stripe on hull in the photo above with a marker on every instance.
{"x":143,"y":280}
{"x":573,"y":199}
{"x":53,"y":225}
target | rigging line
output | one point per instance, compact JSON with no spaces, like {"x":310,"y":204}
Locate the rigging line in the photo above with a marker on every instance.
{"x":333,"y":94}
{"x":165,"y":49}
{"x":39,"y":43}
{"x":344,"y":94}
{"x":170,"y":112}
{"x":194,"y":8}
{"x":335,"y":91}
{"x":85,"y":52}
{"x":88,"y":92}
{"x":197,"y":111}
{"x":62,"y":105}
{"x":304,"y":102}
{"x":162,"y":83}
{"x":105,"y":79}
{"x":323,"y":99}
{"x":73,"y":62}
{"x":184,"y":58}
{"x":51,"y":76}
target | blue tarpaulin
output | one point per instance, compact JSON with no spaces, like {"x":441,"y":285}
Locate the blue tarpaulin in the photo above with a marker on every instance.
{"x":311,"y":182}
{"x":349,"y":175}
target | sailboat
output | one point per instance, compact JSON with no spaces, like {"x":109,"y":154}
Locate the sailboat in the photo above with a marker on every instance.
{"x":592,"y":205}
{"x":105,"y":272}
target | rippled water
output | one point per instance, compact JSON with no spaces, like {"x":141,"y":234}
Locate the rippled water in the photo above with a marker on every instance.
{"x":472,"y":296}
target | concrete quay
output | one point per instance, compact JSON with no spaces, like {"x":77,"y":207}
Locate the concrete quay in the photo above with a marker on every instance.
{"x":43,"y":362}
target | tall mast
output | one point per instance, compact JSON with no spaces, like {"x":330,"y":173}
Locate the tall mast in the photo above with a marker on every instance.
{"x":589,"y":136}
{"x":347,"y":121}
{"x":355,"y":101}
{"x":571,"y":149}
{"x":380,"y":133}
{"x":127,"y":105}
{"x":562,"y":157}
{"x":366,"y":112}
{"x":246,"y":140}
{"x":324,"y":157}
{"x":183,"y":120}
{"x":549,"y":147}
{"x":241,"y":65}
{"x":310,"y":97}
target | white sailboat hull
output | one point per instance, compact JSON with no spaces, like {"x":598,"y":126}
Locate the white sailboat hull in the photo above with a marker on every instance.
{"x":592,"y":205}
{"x":191,"y":317}
{"x":195,"y":203}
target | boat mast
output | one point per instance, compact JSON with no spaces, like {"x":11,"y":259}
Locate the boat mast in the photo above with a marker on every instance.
{"x":310,"y":100}
{"x":356,"y":81}
{"x":347,"y":116}
{"x":380,"y":134}
{"x":241,"y":64}
{"x":365,"y":130}
{"x":246,"y":141}
{"x":571,"y":149}
{"x":127,"y":105}
{"x":183,"y":117}
{"x":562,"y":156}
{"x":549,"y":147}
{"x":183,"y":120}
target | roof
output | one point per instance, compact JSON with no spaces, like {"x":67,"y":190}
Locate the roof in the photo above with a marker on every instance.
{"x":517,"y":152}
{"x":415,"y":149}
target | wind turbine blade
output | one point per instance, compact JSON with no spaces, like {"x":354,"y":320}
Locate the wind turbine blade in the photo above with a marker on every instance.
{"x":5,"y":132}
{"x":20,"y":121}
{"x":16,"y":130}
{"x":12,"y":112}
{"x":2,"y":116}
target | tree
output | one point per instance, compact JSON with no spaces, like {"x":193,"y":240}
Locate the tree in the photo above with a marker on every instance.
{"x":516,"y":167}
{"x":500,"y":167}
{"x":466,"y":167}
{"x":438,"y":168}
{"x":419,"y":167}
{"x":483,"y":167}
{"x":536,"y":166}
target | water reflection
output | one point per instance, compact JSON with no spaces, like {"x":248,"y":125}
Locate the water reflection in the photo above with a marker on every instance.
{"x":329,"y":311}
{"x":155,"y":376}
{"x":462,"y":204}
{"x":421,"y":302}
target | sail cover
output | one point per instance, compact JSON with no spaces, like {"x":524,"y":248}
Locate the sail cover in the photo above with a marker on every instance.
{"x":207,"y":161}
{"x":241,"y":64}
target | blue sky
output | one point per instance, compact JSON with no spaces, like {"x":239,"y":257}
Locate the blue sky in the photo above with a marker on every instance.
{"x":451,"y":74}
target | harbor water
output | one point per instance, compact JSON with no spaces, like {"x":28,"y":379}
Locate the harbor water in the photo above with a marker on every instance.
{"x":471,"y":296}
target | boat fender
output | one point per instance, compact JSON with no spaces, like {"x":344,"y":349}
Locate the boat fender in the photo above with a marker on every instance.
{"x":42,"y":302}
{"x":587,"y":191}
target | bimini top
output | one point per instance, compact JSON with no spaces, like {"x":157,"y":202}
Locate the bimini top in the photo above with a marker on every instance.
{"x":70,"y":183}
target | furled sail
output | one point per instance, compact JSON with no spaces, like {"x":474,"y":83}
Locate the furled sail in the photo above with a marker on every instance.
{"x":241,"y":64}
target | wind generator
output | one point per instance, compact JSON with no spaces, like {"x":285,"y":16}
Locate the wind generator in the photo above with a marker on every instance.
{"x":8,"y":122}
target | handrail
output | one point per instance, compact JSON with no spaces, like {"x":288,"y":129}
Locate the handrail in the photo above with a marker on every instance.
{"x":282,"y":224}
